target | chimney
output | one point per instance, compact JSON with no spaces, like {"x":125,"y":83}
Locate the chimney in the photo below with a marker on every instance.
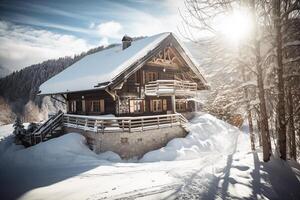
{"x":126,"y":41}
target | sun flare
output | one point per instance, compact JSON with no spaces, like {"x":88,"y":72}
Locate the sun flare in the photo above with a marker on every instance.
{"x":236,"y":26}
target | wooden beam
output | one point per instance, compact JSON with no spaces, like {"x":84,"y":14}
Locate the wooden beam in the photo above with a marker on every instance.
{"x":165,"y":58}
{"x":111,"y":93}
{"x":157,"y":64}
{"x":52,"y":97}
{"x":63,"y":96}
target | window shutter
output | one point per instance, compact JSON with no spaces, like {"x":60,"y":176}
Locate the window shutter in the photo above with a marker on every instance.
{"x":131,"y":106}
{"x":147,"y":77}
{"x":143,"y":77}
{"x":83,"y":105}
{"x":164,"y":104}
{"x":68,"y":106}
{"x":156,"y":76}
{"x":151,"y":105}
{"x":102,"y":105}
{"x":74,"y":106}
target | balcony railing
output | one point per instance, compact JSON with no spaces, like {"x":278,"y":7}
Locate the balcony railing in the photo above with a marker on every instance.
{"x":102,"y":124}
{"x":170,"y":87}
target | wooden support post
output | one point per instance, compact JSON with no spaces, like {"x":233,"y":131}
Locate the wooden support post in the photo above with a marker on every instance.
{"x":86,"y":122}
{"x":180,"y":120}
{"x":129,"y":126}
{"x":102,"y":126}
{"x":173,"y":104}
{"x":96,"y":126}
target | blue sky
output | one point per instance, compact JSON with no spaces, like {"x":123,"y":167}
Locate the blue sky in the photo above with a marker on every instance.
{"x":35,"y":30}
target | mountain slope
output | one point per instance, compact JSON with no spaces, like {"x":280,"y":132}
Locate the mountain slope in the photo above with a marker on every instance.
{"x":22,"y":86}
{"x":4,"y":71}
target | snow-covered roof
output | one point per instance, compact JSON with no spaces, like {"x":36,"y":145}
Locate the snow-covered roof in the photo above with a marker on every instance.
{"x":101,"y":67}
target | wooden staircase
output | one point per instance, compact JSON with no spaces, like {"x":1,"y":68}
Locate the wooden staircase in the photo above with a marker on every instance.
{"x":49,"y":129}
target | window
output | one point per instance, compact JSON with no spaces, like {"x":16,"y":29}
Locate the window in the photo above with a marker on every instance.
{"x":180,"y":105}
{"x":97,"y":106}
{"x":158,"y":105}
{"x":136,"y":105}
{"x":151,"y":76}
{"x":72,"y":106}
{"x":78,"y":106}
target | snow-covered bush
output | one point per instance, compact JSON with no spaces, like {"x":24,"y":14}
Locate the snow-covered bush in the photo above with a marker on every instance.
{"x":31,"y":127}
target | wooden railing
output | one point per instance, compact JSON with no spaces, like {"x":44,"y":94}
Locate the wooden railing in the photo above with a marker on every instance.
{"x":47,"y":127}
{"x":169,"y":87}
{"x":104,"y":124}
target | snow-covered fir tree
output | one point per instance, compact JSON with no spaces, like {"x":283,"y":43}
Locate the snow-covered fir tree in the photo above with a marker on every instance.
{"x":19,"y":130}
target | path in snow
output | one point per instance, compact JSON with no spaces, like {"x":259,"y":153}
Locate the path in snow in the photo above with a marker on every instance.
{"x":213,"y":162}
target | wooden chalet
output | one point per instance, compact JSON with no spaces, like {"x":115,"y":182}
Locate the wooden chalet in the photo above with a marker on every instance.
{"x":160,"y":81}
{"x":139,"y":91}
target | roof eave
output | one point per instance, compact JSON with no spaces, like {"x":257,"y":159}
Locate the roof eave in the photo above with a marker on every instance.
{"x":73,"y":91}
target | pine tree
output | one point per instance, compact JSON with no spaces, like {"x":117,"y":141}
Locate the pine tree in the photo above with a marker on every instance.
{"x":19,"y":130}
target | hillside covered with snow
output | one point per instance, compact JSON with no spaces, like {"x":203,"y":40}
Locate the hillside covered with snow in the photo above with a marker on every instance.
{"x":213,"y":162}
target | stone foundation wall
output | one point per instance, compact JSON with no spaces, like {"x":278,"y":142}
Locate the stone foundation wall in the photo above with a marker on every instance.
{"x":129,"y":145}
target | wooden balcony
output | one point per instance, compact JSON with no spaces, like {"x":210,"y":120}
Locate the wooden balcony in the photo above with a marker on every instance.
{"x":170,"y":87}
{"x":102,"y":124}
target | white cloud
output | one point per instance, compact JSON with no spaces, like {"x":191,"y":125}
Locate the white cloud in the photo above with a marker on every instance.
{"x":92,"y":25}
{"x":136,"y":22}
{"x":104,"y":42}
{"x":107,"y":32}
{"x":23,"y":45}
{"x":109,"y":29}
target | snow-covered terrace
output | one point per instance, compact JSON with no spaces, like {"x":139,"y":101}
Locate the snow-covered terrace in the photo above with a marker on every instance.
{"x":171,"y":87}
{"x":110,"y":124}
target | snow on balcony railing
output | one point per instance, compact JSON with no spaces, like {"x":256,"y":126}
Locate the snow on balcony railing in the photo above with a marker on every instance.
{"x":122,"y":124}
{"x":169,"y":87}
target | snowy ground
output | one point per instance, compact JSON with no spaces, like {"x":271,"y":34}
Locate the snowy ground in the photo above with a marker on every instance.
{"x":213,"y":162}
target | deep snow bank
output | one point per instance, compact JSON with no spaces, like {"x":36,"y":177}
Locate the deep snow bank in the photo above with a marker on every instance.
{"x":207,"y":134}
{"x":69,"y":149}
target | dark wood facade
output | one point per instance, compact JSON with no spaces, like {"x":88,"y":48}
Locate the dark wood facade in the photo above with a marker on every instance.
{"x":84,"y":102}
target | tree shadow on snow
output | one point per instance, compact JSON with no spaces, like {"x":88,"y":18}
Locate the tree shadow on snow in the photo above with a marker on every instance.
{"x":17,"y":180}
{"x":272,"y":180}
{"x":207,"y":185}
{"x":282,"y":179}
{"x":13,"y":186}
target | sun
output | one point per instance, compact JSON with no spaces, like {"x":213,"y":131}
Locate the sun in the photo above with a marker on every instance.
{"x":235,"y":26}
